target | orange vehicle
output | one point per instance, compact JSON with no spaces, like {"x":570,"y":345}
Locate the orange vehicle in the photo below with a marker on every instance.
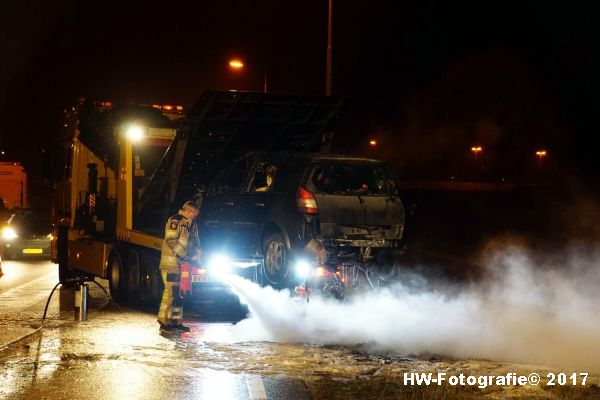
{"x":13,"y":185}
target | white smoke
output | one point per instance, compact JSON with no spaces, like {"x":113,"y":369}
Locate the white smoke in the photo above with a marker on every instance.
{"x":544,"y":312}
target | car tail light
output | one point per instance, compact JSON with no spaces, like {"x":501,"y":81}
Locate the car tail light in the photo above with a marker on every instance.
{"x":306,"y":202}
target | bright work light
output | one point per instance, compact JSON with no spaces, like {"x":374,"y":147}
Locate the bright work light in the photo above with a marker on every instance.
{"x":303,"y":268}
{"x":219,"y":264}
{"x":135,"y":133}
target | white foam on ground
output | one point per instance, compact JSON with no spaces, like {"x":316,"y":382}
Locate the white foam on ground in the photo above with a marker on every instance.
{"x":524,"y":312}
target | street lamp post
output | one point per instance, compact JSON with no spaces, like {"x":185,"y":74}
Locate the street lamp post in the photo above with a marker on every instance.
{"x":238,"y":65}
{"x":476,"y":150}
{"x":540,"y":155}
{"x":328,"y":67}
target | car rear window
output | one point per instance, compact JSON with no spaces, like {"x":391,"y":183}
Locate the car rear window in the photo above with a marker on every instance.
{"x":351,"y":177}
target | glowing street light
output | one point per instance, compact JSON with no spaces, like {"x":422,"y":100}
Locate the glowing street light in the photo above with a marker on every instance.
{"x":373,"y":142}
{"x":541,"y":154}
{"x":236,"y":64}
{"x":476,"y":150}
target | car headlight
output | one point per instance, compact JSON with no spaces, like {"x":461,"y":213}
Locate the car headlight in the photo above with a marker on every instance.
{"x":303,"y":268}
{"x":9,"y":233}
{"x":219,"y":264}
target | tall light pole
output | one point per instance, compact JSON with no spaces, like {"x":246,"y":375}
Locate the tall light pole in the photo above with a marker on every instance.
{"x":328,"y":68}
{"x":476,"y":150}
{"x":237,"y":65}
{"x":265,"y":81}
{"x":540,"y":154}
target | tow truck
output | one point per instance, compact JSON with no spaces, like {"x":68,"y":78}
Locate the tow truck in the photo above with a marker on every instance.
{"x":120,"y":171}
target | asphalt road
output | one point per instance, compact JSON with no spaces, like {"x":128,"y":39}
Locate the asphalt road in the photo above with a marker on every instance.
{"x":19,"y":272}
{"x":119,"y":353}
{"x":115,"y":354}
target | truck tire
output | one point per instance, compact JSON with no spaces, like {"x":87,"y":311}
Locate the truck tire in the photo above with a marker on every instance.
{"x":151,"y":282}
{"x":115,"y":275}
{"x":133,"y":278}
{"x":65,"y":275}
{"x":276,"y":263}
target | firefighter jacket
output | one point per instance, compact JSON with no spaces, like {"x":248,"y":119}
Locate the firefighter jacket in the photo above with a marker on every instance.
{"x":181,"y":239}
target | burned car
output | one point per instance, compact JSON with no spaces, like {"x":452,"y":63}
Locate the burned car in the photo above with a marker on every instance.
{"x":306,"y":218}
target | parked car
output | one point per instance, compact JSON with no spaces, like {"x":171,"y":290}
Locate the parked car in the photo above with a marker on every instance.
{"x":27,"y":234}
{"x":320,"y":214}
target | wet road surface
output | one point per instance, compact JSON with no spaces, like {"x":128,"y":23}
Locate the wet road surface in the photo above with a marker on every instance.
{"x":120,"y":354}
{"x":19,"y":272}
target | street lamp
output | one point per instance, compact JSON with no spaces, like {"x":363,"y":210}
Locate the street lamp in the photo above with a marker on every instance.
{"x":237,"y":65}
{"x":540,"y":154}
{"x":373,"y":142}
{"x":476,"y":150}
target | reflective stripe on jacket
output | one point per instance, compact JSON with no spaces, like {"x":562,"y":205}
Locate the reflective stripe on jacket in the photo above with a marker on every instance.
{"x":179,"y":232}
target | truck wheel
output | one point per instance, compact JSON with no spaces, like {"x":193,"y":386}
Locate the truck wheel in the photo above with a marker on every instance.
{"x":151,"y":282}
{"x":276,"y":260}
{"x":62,"y":255}
{"x":133,"y":278}
{"x":115,"y":273}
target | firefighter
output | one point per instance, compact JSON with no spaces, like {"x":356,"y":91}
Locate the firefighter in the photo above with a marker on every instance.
{"x":181,"y":243}
{"x":269,"y":172}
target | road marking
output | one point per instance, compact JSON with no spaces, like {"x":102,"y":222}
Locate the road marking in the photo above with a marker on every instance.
{"x":256,"y":389}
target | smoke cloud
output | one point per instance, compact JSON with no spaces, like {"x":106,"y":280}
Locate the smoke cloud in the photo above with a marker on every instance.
{"x":533,"y":310}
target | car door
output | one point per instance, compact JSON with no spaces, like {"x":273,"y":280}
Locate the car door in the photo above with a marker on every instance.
{"x":219,"y":233}
{"x":255,"y":202}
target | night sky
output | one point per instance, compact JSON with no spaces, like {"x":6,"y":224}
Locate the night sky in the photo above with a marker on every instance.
{"x":427,"y":79}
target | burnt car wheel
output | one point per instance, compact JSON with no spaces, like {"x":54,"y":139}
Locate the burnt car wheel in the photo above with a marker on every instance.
{"x":276,"y":260}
